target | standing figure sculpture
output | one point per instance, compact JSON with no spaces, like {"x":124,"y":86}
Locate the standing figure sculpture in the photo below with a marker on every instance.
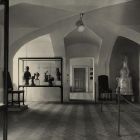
{"x":124,"y":81}
{"x":51,"y":79}
{"x":46,"y":76}
{"x":27,"y":75}
{"x":37,"y":81}
{"x":33,"y":78}
{"x":37,"y":76}
{"x":58,"y":74}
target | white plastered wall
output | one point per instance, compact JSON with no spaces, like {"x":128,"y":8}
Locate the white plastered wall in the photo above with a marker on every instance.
{"x":40,"y":47}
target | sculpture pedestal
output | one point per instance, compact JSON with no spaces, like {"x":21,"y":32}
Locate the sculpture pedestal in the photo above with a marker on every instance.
{"x":125,"y":86}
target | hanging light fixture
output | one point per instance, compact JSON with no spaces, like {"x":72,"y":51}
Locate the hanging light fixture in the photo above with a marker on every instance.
{"x":80,"y":25}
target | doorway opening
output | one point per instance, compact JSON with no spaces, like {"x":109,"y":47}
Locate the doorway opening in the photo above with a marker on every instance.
{"x":79,"y":80}
{"x":82,"y":79}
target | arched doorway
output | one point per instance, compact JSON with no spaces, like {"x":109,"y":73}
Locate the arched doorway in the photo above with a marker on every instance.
{"x":39,"y":47}
{"x":82,"y":79}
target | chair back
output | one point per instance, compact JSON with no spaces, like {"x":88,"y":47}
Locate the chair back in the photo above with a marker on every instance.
{"x":10,"y":85}
{"x":103,"y":83}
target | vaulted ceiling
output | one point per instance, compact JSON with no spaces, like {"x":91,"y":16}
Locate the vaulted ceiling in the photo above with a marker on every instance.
{"x":71,"y":5}
{"x":40,"y":13}
{"x":61,"y":15}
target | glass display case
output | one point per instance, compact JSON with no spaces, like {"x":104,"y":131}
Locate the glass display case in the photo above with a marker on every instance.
{"x":40,"y":72}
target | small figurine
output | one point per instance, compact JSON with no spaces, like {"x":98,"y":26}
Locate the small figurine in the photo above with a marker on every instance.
{"x":37,"y":81}
{"x":58,"y":74}
{"x":33,"y":78}
{"x":27,"y":75}
{"x":46,"y":76}
{"x":51,"y":79}
{"x":37,"y":76}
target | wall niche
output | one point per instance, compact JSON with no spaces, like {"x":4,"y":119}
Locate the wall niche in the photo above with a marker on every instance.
{"x":125,"y":47}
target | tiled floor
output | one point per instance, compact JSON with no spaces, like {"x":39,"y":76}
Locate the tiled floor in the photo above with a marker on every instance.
{"x":54,"y":121}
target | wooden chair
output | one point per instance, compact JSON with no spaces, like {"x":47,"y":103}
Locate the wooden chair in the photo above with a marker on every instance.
{"x":105,"y":93}
{"x":15,"y":97}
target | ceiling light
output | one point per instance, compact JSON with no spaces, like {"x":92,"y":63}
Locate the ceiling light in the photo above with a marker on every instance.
{"x":80,"y":25}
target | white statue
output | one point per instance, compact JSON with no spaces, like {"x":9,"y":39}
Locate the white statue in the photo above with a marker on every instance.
{"x":124,"y":81}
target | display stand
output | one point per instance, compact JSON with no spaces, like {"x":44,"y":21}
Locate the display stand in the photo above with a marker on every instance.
{"x":41,"y":72}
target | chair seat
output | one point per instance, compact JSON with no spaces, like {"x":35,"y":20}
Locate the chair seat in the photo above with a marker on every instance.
{"x":16,"y":91}
{"x":16,"y":96}
{"x":19,"y":94}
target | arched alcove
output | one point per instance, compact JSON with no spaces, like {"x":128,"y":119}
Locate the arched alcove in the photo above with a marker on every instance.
{"x":82,"y":53}
{"x":125,"y":47}
{"x":39,"y":47}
